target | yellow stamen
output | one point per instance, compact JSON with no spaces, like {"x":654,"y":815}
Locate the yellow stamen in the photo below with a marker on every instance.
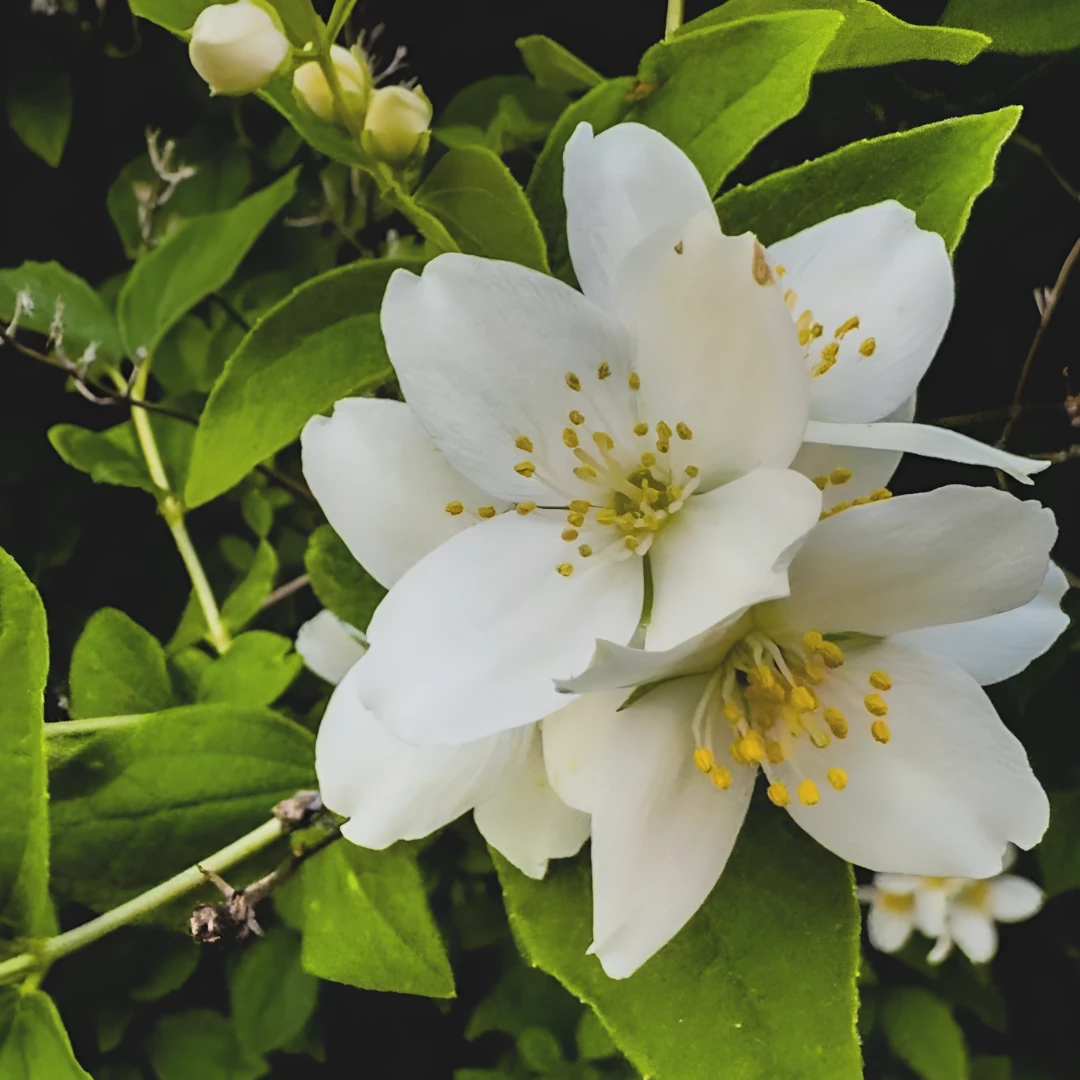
{"x":875,"y":705}
{"x":523,"y":442}
{"x":780,"y":270}
{"x":816,"y":331}
{"x":837,"y":722}
{"x":760,"y":266}
{"x":577,"y":520}
{"x":847,"y":325}
{"x":790,"y":298}
{"x":584,"y":551}
{"x":641,"y":428}
{"x":812,"y":640}
{"x":573,"y":381}
{"x":831,"y":653}
{"x":821,"y":482}
{"x":802,"y":699}
{"x":585,"y":472}
{"x":603,"y":440}
{"x":720,"y":776}
{"x":862,"y":500}
{"x":569,"y":438}
{"x":663,"y":446}
{"x":838,"y":778}
{"x":576,"y":417}
{"x":486,"y":511}
{"x":880,"y":680}
{"x":880,"y":494}
{"x":569,"y":534}
{"x":840,"y":476}
{"x":880,"y":730}
{"x":648,"y":459}
{"x":778,"y":794}
{"x":663,"y":431}
{"x":524,"y":508}
{"x":454,"y":508}
{"x":525,"y":468}
{"x":674,"y":493}
{"x":580,"y":506}
{"x":808,"y":793}
{"x":774,"y":751}
{"x":634,"y":380}
{"x":565,"y":568}
{"x":703,"y":758}
{"x":606,"y":516}
{"x":691,"y":471}
{"x":868,"y":346}
{"x":732,"y":712}
{"x":752,"y":747}
{"x":604,"y":370}
{"x":683,"y":431}
{"x":736,"y":752}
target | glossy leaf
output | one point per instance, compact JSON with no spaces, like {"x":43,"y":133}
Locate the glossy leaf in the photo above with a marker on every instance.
{"x":35,"y":1046}
{"x":258,"y":668}
{"x":1059,"y":852}
{"x":39,"y":103}
{"x":501,"y":113}
{"x":318,"y":345}
{"x":922,"y":1033}
{"x":761,"y":979}
{"x":555,"y":67}
{"x":201,"y":1045}
{"x":937,"y":170}
{"x":339,"y":581}
{"x":1047,"y":26}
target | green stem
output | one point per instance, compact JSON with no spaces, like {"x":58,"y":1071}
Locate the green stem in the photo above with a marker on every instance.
{"x":338,"y":15}
{"x":172,"y":510}
{"x":674,"y":17}
{"x":54,"y":948}
{"x":58,"y":728}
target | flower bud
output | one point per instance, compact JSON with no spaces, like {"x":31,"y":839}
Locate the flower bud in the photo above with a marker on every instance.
{"x":314,"y":91}
{"x":396,"y":123}
{"x":237,"y":47}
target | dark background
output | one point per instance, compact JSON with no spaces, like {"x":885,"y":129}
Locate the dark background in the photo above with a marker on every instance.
{"x":89,"y":546}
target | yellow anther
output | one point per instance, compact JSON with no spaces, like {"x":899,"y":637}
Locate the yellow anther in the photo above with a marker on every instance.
{"x":524,"y":508}
{"x":674,"y":493}
{"x":844,"y":327}
{"x":816,"y":331}
{"x":804,"y":335}
{"x":837,"y":778}
{"x":862,"y":500}
{"x":790,"y":298}
{"x":569,"y":437}
{"x":732,"y":712}
{"x":606,"y":516}
{"x":569,"y":535}
{"x":631,"y":542}
{"x":837,"y":722}
{"x":573,"y":381}
{"x":576,"y":417}
{"x":580,"y":506}
{"x":812,"y":640}
{"x":840,"y":476}
{"x":821,"y":482}
{"x":737,"y":754}
{"x":649,"y":494}
{"x":525,"y":468}
{"x":577,"y":520}
{"x":454,"y":508}
{"x":634,"y":380}
{"x":831,"y":653}
{"x":763,"y":677}
{"x":603,"y":440}
{"x":584,"y":550}
{"x":880,"y":494}
{"x":802,"y":324}
{"x":565,"y":568}
{"x":604,"y":370}
{"x":802,"y":699}
{"x":875,"y":705}
{"x":691,"y":471}
{"x":641,"y":428}
{"x":815,"y":674}
{"x":774,"y":751}
{"x":840,"y":507}
{"x":880,"y":680}
{"x":523,"y":442}
{"x":880,"y":730}
{"x":486,"y":511}
{"x":720,"y":776}
{"x":662,"y":446}
{"x":780,"y":270}
{"x":828,"y":358}
{"x":585,"y":472}
{"x":679,"y":248}
{"x":778,"y":794}
{"x":808,"y":793}
{"x":683,"y":431}
{"x":663,"y":431}
{"x":752,"y":747}
{"x":648,"y":459}
{"x":760,"y":266}
{"x":819,"y":738}
{"x":868,"y":346}
{"x":703,"y":758}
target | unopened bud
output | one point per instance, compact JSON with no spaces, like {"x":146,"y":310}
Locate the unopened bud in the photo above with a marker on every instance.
{"x":313,"y":89}
{"x":237,"y":47}
{"x":396,"y":123}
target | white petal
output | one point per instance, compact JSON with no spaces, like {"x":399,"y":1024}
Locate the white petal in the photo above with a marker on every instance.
{"x":392,"y":791}
{"x":384,"y":485}
{"x":931,"y":907}
{"x":974,"y":932}
{"x":999,"y":646}
{"x":940,"y":951}
{"x":900,"y":884}
{"x":662,"y":831}
{"x":726,"y":550}
{"x":1013,"y":899}
{"x":927,"y":441}
{"x":944,"y":556}
{"x":942,"y":798}
{"x":619,"y":187}
{"x":888,"y":930}
{"x":329,"y":646}
{"x":482,"y":350}
{"x":576,"y":741}
{"x":877,"y":264}
{"x":526,"y":821}
{"x":716,"y":350}
{"x":870,"y":469}
{"x":470,"y":640}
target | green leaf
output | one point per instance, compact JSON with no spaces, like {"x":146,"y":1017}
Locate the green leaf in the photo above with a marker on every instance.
{"x":339,"y":581}
{"x":319,"y":344}
{"x":555,"y":67}
{"x":367,"y":922}
{"x":201,"y":1045}
{"x":38,"y":103}
{"x":501,"y":113}
{"x":540,"y":1050}
{"x":483,"y":207}
{"x":989,"y":1067}
{"x":200,"y":256}
{"x":1045,"y":26}
{"x":175,"y":15}
{"x":134,"y":805}
{"x":718,"y":92}
{"x":937,"y":170}
{"x":86,"y":317}
{"x":258,"y":668}
{"x":869,"y":36}
{"x":117,"y":669}
{"x":525,"y":997}
{"x":593,"y":1041}
{"x":1059,"y":852}
{"x":602,"y":107}
{"x":761,"y":979}
{"x":271,"y":996}
{"x":36,"y":1046}
{"x":25,"y":909}
{"x":246,"y":600}
{"x":922,"y":1033}
{"x":176,"y":963}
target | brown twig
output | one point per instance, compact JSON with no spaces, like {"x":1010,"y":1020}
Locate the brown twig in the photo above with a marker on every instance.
{"x":288,"y":483}
{"x":286,"y":590}
{"x":964,"y":419}
{"x":1037,"y":150}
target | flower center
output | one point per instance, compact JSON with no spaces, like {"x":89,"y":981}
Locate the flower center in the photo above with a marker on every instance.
{"x":763,"y":698}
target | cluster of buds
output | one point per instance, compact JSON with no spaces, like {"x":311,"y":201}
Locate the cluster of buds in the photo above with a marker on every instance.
{"x":239,"y":47}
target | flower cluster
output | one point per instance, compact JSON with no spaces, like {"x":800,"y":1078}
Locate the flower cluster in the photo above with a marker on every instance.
{"x":640,"y":547}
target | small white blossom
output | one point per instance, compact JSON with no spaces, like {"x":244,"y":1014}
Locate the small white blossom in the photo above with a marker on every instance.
{"x":396,"y":121}
{"x":237,"y":47}
{"x":314,"y":91}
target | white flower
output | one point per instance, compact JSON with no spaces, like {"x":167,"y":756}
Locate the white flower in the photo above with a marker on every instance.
{"x":312,"y":88}
{"x":237,"y":47}
{"x":851,"y":694}
{"x":392,"y":791}
{"x":952,"y":910}
{"x":396,"y":121}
